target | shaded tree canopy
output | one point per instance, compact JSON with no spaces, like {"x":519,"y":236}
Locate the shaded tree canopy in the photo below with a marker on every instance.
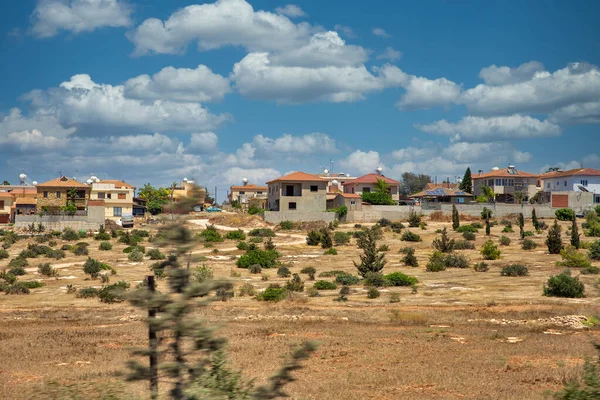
{"x":413,"y":183}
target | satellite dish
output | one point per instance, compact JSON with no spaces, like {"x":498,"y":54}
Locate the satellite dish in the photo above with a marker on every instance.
{"x":245,"y":180}
{"x":185,"y":179}
{"x":22,"y":177}
{"x":34,"y":183}
{"x":495,"y":169}
{"x":325,"y":171}
{"x":335,"y":182}
{"x":379,"y":169}
{"x":89,"y":181}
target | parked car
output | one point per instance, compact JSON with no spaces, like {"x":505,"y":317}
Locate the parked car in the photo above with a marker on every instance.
{"x":126,"y":221}
{"x":213,"y":209}
{"x":197,"y":209}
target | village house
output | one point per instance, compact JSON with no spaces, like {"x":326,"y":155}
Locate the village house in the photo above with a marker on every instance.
{"x":442,"y":193}
{"x":117,"y":196}
{"x":507,"y":183}
{"x":248,"y":193}
{"x":6,"y":202}
{"x":297,"y":191}
{"x":54,"y":195}
{"x":367,"y":183}
{"x":188,"y":190}
{"x":577,"y":188}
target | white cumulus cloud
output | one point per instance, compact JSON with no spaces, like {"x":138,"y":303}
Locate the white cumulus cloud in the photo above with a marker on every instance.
{"x":390,"y":54}
{"x":498,"y":76}
{"x":362,"y":162}
{"x":291,"y":10}
{"x":380,"y":32}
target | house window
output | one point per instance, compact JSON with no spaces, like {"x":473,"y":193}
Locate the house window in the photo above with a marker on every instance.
{"x":584,"y":182}
{"x":58,"y":195}
{"x":314,"y":188}
{"x":242,"y":192}
{"x":499,"y":182}
{"x":122,"y":196}
{"x":45,"y":195}
{"x":366,"y":190}
{"x":597,"y":198}
{"x":548,"y":185}
{"x":352,"y":190}
{"x":101,"y":195}
{"x":352,"y":202}
{"x":259,"y":193}
{"x":490,"y":182}
{"x":117,"y":211}
{"x":1,"y":203}
{"x":460,"y":200}
{"x":565,"y":183}
{"x":292,"y":205}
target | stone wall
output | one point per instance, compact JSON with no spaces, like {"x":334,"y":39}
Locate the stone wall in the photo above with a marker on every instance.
{"x":275,"y":217}
{"x":93,"y":220}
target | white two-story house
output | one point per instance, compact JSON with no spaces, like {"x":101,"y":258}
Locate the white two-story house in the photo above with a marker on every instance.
{"x":575,"y":180}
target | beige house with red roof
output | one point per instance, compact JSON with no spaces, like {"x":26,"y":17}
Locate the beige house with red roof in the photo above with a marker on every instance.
{"x":248,"y":192}
{"x":367,"y":183}
{"x":117,"y":197}
{"x":297,"y":191}
{"x":54,"y":194}
{"x":505,"y":183}
{"x":6,"y":202}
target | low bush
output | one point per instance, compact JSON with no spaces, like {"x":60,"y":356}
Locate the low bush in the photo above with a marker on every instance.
{"x":373,"y":293}
{"x":564,"y":214}
{"x":341,"y":238}
{"x":114,"y":293}
{"x":466,"y":228}
{"x":436,"y":262}
{"x":477,"y":225}
{"x":86,"y":293}
{"x":247,"y":289}
{"x":490,"y":251}
{"x":384,"y":248}
{"x":310,"y":271}
{"x":394,"y":297}
{"x":203,"y":274}
{"x":102,"y":234}
{"x":528,"y":244}
{"x":409,"y":236}
{"x":591,"y":270}
{"x":3,"y":254}
{"x":469,"y":235}
{"x":414,"y":219}
{"x":80,"y":250}
{"x":481,"y":267}
{"x":264,"y":258}
{"x":564,"y":285}
{"x":31,"y":284}
{"x":313,"y":238}
{"x":329,"y":274}
{"x":456,"y":261}
{"x":136,"y":256}
{"x":92,"y":267}
{"x":155,"y":254}
{"x":347,"y":279}
{"x":330,"y":252}
{"x":8,"y":277}
{"x":17,"y":271}
{"x":262,"y":232}
{"x":210,"y":236}
{"x":594,"y":250}
{"x":463,"y":245}
{"x":69,"y":234}
{"x":400,"y":279}
{"x":374,"y":279}
{"x":28,"y":253}
{"x":272,"y":293}
{"x":56,"y":254}
{"x":286,"y":225}
{"x":256,"y":239}
{"x":245,"y":246}
{"x":325,"y":285}
{"x":66,"y":247}
{"x":255,"y":269}
{"x":384,"y":222}
{"x":105,"y":246}
{"x":572,"y":258}
{"x":514,"y":270}
{"x":295,"y":284}
{"x":18,"y":262}
{"x":528,"y":233}
{"x":507,"y":229}
{"x":47,"y":270}
{"x":283,"y":272}
{"x":410,"y":259}
{"x":504,"y":240}
{"x":236,"y":235}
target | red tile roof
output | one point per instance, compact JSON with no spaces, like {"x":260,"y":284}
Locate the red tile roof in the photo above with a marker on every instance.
{"x":372,"y":178}
{"x":118,"y":184}
{"x":249,"y":188}
{"x":298,"y":177}
{"x":26,"y":200}
{"x":6,"y":195}
{"x":575,"y":172}
{"x":503,"y":173}
{"x":349,"y":195}
{"x":63,"y":181}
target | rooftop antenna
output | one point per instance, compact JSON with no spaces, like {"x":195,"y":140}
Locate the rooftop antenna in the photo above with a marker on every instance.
{"x":22,"y":179}
{"x":379,"y":170}
{"x":245,"y":181}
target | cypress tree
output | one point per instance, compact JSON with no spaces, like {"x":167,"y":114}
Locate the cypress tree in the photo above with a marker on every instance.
{"x":575,"y":234}
{"x":371,"y":260}
{"x":534,"y":220}
{"x":455,"y":218}
{"x":554,"y":239}
{"x":487,"y":224}
{"x":522,"y":225}
{"x":467,"y":184}
{"x":326,"y":241}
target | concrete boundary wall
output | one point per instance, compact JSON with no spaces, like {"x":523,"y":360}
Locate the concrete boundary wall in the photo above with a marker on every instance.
{"x":93,"y":220}
{"x":275,"y":217}
{"x":499,"y":210}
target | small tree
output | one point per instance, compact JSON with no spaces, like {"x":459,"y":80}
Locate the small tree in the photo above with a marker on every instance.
{"x":534,"y":220}
{"x":455,"y":218}
{"x":487,"y":224}
{"x":444,"y":244}
{"x":564,"y":285}
{"x":371,"y":260}
{"x":414,"y":219}
{"x":467,"y":184}
{"x":410,"y":259}
{"x":92,"y":267}
{"x":326,"y":241}
{"x":522,"y":226}
{"x":554,"y":239}
{"x":490,"y":251}
{"x":575,"y":234}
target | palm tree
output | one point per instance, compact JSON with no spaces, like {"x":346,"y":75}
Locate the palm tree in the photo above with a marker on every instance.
{"x":382,"y":186}
{"x":519,"y":196}
{"x":489,"y":193}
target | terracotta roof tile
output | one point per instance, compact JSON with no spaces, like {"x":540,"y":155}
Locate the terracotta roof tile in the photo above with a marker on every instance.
{"x":503,"y":173}
{"x":432,"y":186}
{"x":63,"y":181}
{"x":372,"y":178}
{"x":118,"y":184}
{"x":249,"y":187}
{"x":349,"y":195}
{"x":25,"y":201}
{"x":575,"y":172}
{"x":6,"y":195}
{"x":298,"y":177}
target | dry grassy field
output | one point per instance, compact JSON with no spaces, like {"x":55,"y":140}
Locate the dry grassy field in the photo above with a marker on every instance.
{"x":461,"y":335}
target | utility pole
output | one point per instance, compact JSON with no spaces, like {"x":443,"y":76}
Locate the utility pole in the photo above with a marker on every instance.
{"x":215,"y":194}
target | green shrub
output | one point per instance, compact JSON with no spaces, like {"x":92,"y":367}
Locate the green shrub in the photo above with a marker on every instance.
{"x":373,"y":293}
{"x":343,"y":294}
{"x":313,"y":238}
{"x":203,"y":274}
{"x":400,"y":279}
{"x":247,"y":289}
{"x":486,"y":213}
{"x":384,"y":222}
{"x":374,"y":279}
{"x":564,"y":214}
{"x":414,"y":219}
{"x":325,"y":285}
{"x":140,"y":233}
{"x":245,"y":246}
{"x":82,"y":234}
{"x":481,"y":267}
{"x":490,"y":251}
{"x":272,"y":293}
{"x":92,"y":267}
{"x":18,"y":262}
{"x":262,"y":232}
{"x":591,"y":270}
{"x":255,"y":269}
{"x":105,"y":246}
{"x":3,"y":254}
{"x":136,"y":256}
{"x":69,"y":234}
{"x":80,"y":250}
{"x":329,"y":274}
{"x":564,"y":285}
{"x":310,"y":271}
{"x":56,"y":254}
{"x":66,"y":247}
{"x":264,"y":258}
{"x":155,"y":254}
{"x":504,"y":240}
{"x":594,"y":250}
{"x":17,"y":271}
{"x":347,"y":279}
{"x":28,"y":253}
{"x":409,"y":236}
{"x":8,"y":277}
{"x":210,"y":236}
{"x":47,"y":270}
{"x":507,"y":229}
{"x":326,"y":241}
{"x":514,"y":270}
{"x":114,"y":293}
{"x":86,"y":293}
{"x":436,"y":262}
{"x":463,"y":245}
{"x":528,"y":244}
{"x":236,"y":235}
{"x":253,"y":210}
{"x":397,"y":227}
{"x":410,"y":259}
{"x":286,"y":225}
{"x":476,"y":225}
{"x":295,"y":284}
{"x":443,"y":243}
{"x":456,"y":261}
{"x":283,"y":272}
{"x":341,"y":238}
{"x":255,"y":240}
{"x":466,"y":228}
{"x":131,"y":249}
{"x":31,"y":284}
{"x":468,"y":235}
{"x":394,"y":297}
{"x":572,"y":258}
{"x":102,"y":234}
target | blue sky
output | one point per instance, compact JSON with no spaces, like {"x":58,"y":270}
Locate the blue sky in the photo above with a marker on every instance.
{"x":157,"y":90}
